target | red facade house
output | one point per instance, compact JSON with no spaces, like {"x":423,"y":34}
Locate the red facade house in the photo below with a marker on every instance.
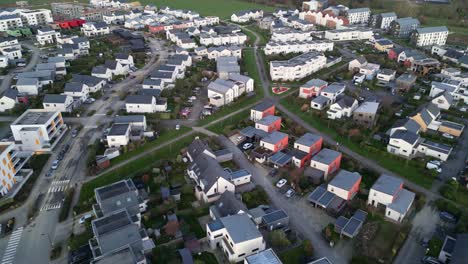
{"x":262,"y":110}
{"x":312,"y":88}
{"x":326,"y":160}
{"x":345,"y":184}
{"x":310,"y":144}
{"x":269,"y":123}
{"x":155,"y":28}
{"x":73,"y":23}
{"x":275,"y":141}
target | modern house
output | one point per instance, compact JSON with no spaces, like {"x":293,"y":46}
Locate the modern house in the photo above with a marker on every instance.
{"x":343,"y":108}
{"x":366,"y":114}
{"x":58,"y":102}
{"x":262,"y":110}
{"x":269,"y":123}
{"x":403,"y":27}
{"x":326,"y":160}
{"x":428,"y":36}
{"x":358,"y":15}
{"x":144,"y":104}
{"x":275,"y":141}
{"x":388,"y":191}
{"x":119,"y":135}
{"x":298,"y":67}
{"x":309,"y":144}
{"x":246,"y":16}
{"x":312,"y":88}
{"x":345,"y":184}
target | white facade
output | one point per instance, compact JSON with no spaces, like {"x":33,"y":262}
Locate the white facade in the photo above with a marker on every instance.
{"x":59,"y":107}
{"x":298,"y":67}
{"x":338,"y":110}
{"x":10,"y":22}
{"x":358,"y":15}
{"x":47,"y":36}
{"x":37,"y":17}
{"x":349,"y":34}
{"x":7,"y":103}
{"x":117,"y":141}
{"x":95,"y":29}
{"x":288,"y":35}
{"x":430,"y":36}
{"x":223,"y":39}
{"x":298,"y":47}
{"x":246,"y":16}
{"x":35,"y":128}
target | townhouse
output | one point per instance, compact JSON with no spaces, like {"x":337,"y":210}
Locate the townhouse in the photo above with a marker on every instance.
{"x":298,"y":67}
{"x":428,"y":36}
{"x":94,"y":84}
{"x":10,"y":21}
{"x":44,"y":77}
{"x":389,"y":192}
{"x":332,"y":91}
{"x":285,"y":34}
{"x":213,"y":53}
{"x":246,"y":16}
{"x":182,"y":39}
{"x":327,"y":161}
{"x":102,"y":72}
{"x":262,"y":110}
{"x":58,"y":103}
{"x":210,"y":178}
{"x":13,"y":160}
{"x":403,"y":27}
{"x":272,"y":48}
{"x":91,"y":29}
{"x":312,"y":88}
{"x":349,"y":34}
{"x":309,"y":144}
{"x":222,"y":39}
{"x":145,"y":104}
{"x":366,"y":114}
{"x":358,"y":15}
{"x":298,"y":23}
{"x":237,"y":235}
{"x":226,"y":66}
{"x":343,"y":108}
{"x":38,"y":129}
{"x":325,"y":18}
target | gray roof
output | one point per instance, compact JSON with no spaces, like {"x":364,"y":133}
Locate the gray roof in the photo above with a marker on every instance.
{"x":321,"y":100}
{"x":262,"y":106}
{"x":439,"y":147}
{"x":251,"y":131}
{"x":403,"y":201}
{"x":274,"y":216}
{"x":388,"y":184}
{"x":323,"y":260}
{"x":221,"y":86}
{"x":459,"y":253}
{"x":99,"y":69}
{"x":358,"y":10}
{"x":407,"y":77}
{"x":111,"y":64}
{"x":11,"y":93}
{"x":118,"y":129}
{"x":308,"y":139}
{"x":388,"y":14}
{"x":298,"y":60}
{"x":315,"y":83}
{"x":368,"y":107}
{"x":116,"y":196}
{"x":227,"y":204}
{"x":227,"y":64}
{"x":240,"y":228}
{"x":326,"y":156}
{"x":207,"y":170}
{"x":87,"y":79}
{"x":268,"y":120}
{"x":27,"y":81}
{"x":139,"y":99}
{"x":55,"y":59}
{"x":334,"y":88}
{"x":126,"y":119}
{"x":152,"y":82}
{"x":408,"y":124}
{"x":266,"y":256}
{"x":425,"y":30}
{"x":280,"y":158}
{"x":55,"y":98}
{"x":346,"y":101}
{"x":73,"y":87}
{"x":122,"y":56}
{"x":407,"y":21}
{"x":405,"y":135}
{"x":197,"y":147}
{"x":345,"y":179}
{"x":274,"y":137}
{"x":161,"y":74}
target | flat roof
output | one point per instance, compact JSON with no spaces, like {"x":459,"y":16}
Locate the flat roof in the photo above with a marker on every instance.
{"x":274,"y":216}
{"x":34,"y":117}
{"x":267,"y":256}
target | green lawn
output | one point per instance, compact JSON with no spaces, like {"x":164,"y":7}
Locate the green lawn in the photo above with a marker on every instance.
{"x":406,"y":169}
{"x":129,"y":170}
{"x":218,"y":128}
{"x":222,"y":8}
{"x":264,"y":34}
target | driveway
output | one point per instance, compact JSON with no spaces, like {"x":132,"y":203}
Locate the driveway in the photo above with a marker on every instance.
{"x":304,"y":219}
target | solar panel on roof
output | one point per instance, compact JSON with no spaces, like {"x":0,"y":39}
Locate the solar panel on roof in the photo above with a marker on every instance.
{"x":274,"y":216}
{"x":326,"y":199}
{"x":111,"y":222}
{"x":316,"y":194}
{"x":352,"y":227}
{"x":113,"y":190}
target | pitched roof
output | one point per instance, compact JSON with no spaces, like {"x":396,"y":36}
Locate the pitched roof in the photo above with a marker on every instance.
{"x":11,"y":93}
{"x":139,"y":99}
{"x":73,"y":87}
{"x":405,"y":135}
{"x":227,"y":204}
{"x":55,"y":98}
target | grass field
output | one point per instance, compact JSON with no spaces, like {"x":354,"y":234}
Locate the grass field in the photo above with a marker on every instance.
{"x":222,"y":8}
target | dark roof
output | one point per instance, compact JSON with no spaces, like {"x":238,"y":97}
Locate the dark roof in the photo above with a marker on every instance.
{"x":73,"y":87}
{"x":280,"y":158}
{"x":99,"y":69}
{"x":139,"y":99}
{"x":122,"y":56}
{"x":125,"y":119}
{"x":326,"y":156}
{"x":227,"y":204}
{"x":459,"y":253}
{"x":55,"y":98}
{"x":345,"y":180}
{"x":308,"y":139}
{"x":111,"y":64}
{"x":388,"y":184}
{"x":11,"y":93}
{"x":87,"y":79}
{"x":118,"y":129}
{"x":262,"y":106}
{"x":405,"y":135}
{"x":274,"y":216}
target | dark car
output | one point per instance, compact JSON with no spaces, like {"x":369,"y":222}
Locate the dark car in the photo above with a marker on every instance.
{"x":273,"y":172}
{"x":447,"y":217}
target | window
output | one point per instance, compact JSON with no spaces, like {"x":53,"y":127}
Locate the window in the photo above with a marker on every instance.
{"x":255,"y":249}
{"x":241,"y":255}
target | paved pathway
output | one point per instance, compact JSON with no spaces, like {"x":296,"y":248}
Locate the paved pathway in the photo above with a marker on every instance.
{"x":10,"y":251}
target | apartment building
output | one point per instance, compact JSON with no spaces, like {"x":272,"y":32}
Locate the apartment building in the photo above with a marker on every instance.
{"x":358,"y":15}
{"x":10,"y":22}
{"x":403,"y":27}
{"x":289,"y":34}
{"x":349,"y":34}
{"x":384,"y":20}
{"x":298,"y":67}
{"x":222,"y":92}
{"x":46,"y":36}
{"x":67,"y":10}
{"x":12,"y":161}
{"x":237,"y":235}
{"x":222,"y":39}
{"x":272,"y":47}
{"x":325,"y":18}
{"x":38,"y":129}
{"x":58,"y":102}
{"x":428,"y":36}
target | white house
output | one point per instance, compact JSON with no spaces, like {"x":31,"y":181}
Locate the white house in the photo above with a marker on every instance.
{"x":90,"y":29}
{"x":116,"y":68}
{"x":78,"y":91}
{"x":349,"y":34}
{"x":385,"y":76}
{"x":29,"y":86}
{"x":344,"y":107}
{"x":443,"y":101}
{"x":345,"y":184}
{"x":237,"y":236}
{"x":222,"y":92}
{"x":369,"y":70}
{"x":93,"y":83}
{"x":119,"y":135}
{"x":102,"y":72}
{"x":298,"y":46}
{"x":144,"y":104}
{"x":8,"y":100}
{"x":246,"y":16}
{"x":285,"y":34}
{"x":358,"y":15}
{"x":125,"y":59}
{"x":332,"y":91}
{"x":3,"y":61}
{"x":47,"y":36}
{"x":403,"y":143}
{"x":153,"y":84}
{"x":58,"y":102}
{"x":388,"y":191}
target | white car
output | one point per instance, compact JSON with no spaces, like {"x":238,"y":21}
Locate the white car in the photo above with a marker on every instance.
{"x":281,"y":183}
{"x":177,"y":127}
{"x":247,"y":146}
{"x":290,"y":193}
{"x":447,"y":135}
{"x":432,"y":166}
{"x":436,"y":162}
{"x":463,"y":109}
{"x":239,"y":138}
{"x":84,"y":218}
{"x":55,"y":164}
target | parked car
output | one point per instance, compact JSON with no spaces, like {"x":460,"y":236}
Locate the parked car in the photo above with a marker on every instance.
{"x":447,"y":217}
{"x":281,"y":183}
{"x":49,"y":173}
{"x":247,"y":146}
{"x":463,"y":109}
{"x":432,"y":166}
{"x":430,"y":260}
{"x":436,"y":162}
{"x":74,"y":133}
{"x":447,"y":135}
{"x":177,"y":127}
{"x":55,"y":164}
{"x":290,"y":193}
{"x":84,"y":218}
{"x":273,"y":172}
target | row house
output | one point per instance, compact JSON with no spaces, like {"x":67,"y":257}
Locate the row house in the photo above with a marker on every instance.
{"x":403,"y":27}
{"x":145,"y":104}
{"x":179,"y":13}
{"x":10,"y":21}
{"x":325,"y":19}
{"x":10,"y":18}
{"x":246,"y":16}
{"x":222,"y":92}
{"x":298,"y":23}
{"x":298,"y":67}
{"x":71,"y":23}
{"x":428,"y":36}
{"x":91,"y":29}
{"x":223,"y":39}
{"x":181,"y":39}
{"x":289,"y":34}
{"x":297,"y":46}
{"x":213,"y":53}
{"x":349,"y":34}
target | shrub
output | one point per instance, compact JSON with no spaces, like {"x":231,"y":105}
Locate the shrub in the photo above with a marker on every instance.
{"x":279,"y":239}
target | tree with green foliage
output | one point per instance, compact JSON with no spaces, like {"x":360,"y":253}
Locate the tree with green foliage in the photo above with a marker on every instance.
{"x":279,"y":239}
{"x":308,"y":249}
